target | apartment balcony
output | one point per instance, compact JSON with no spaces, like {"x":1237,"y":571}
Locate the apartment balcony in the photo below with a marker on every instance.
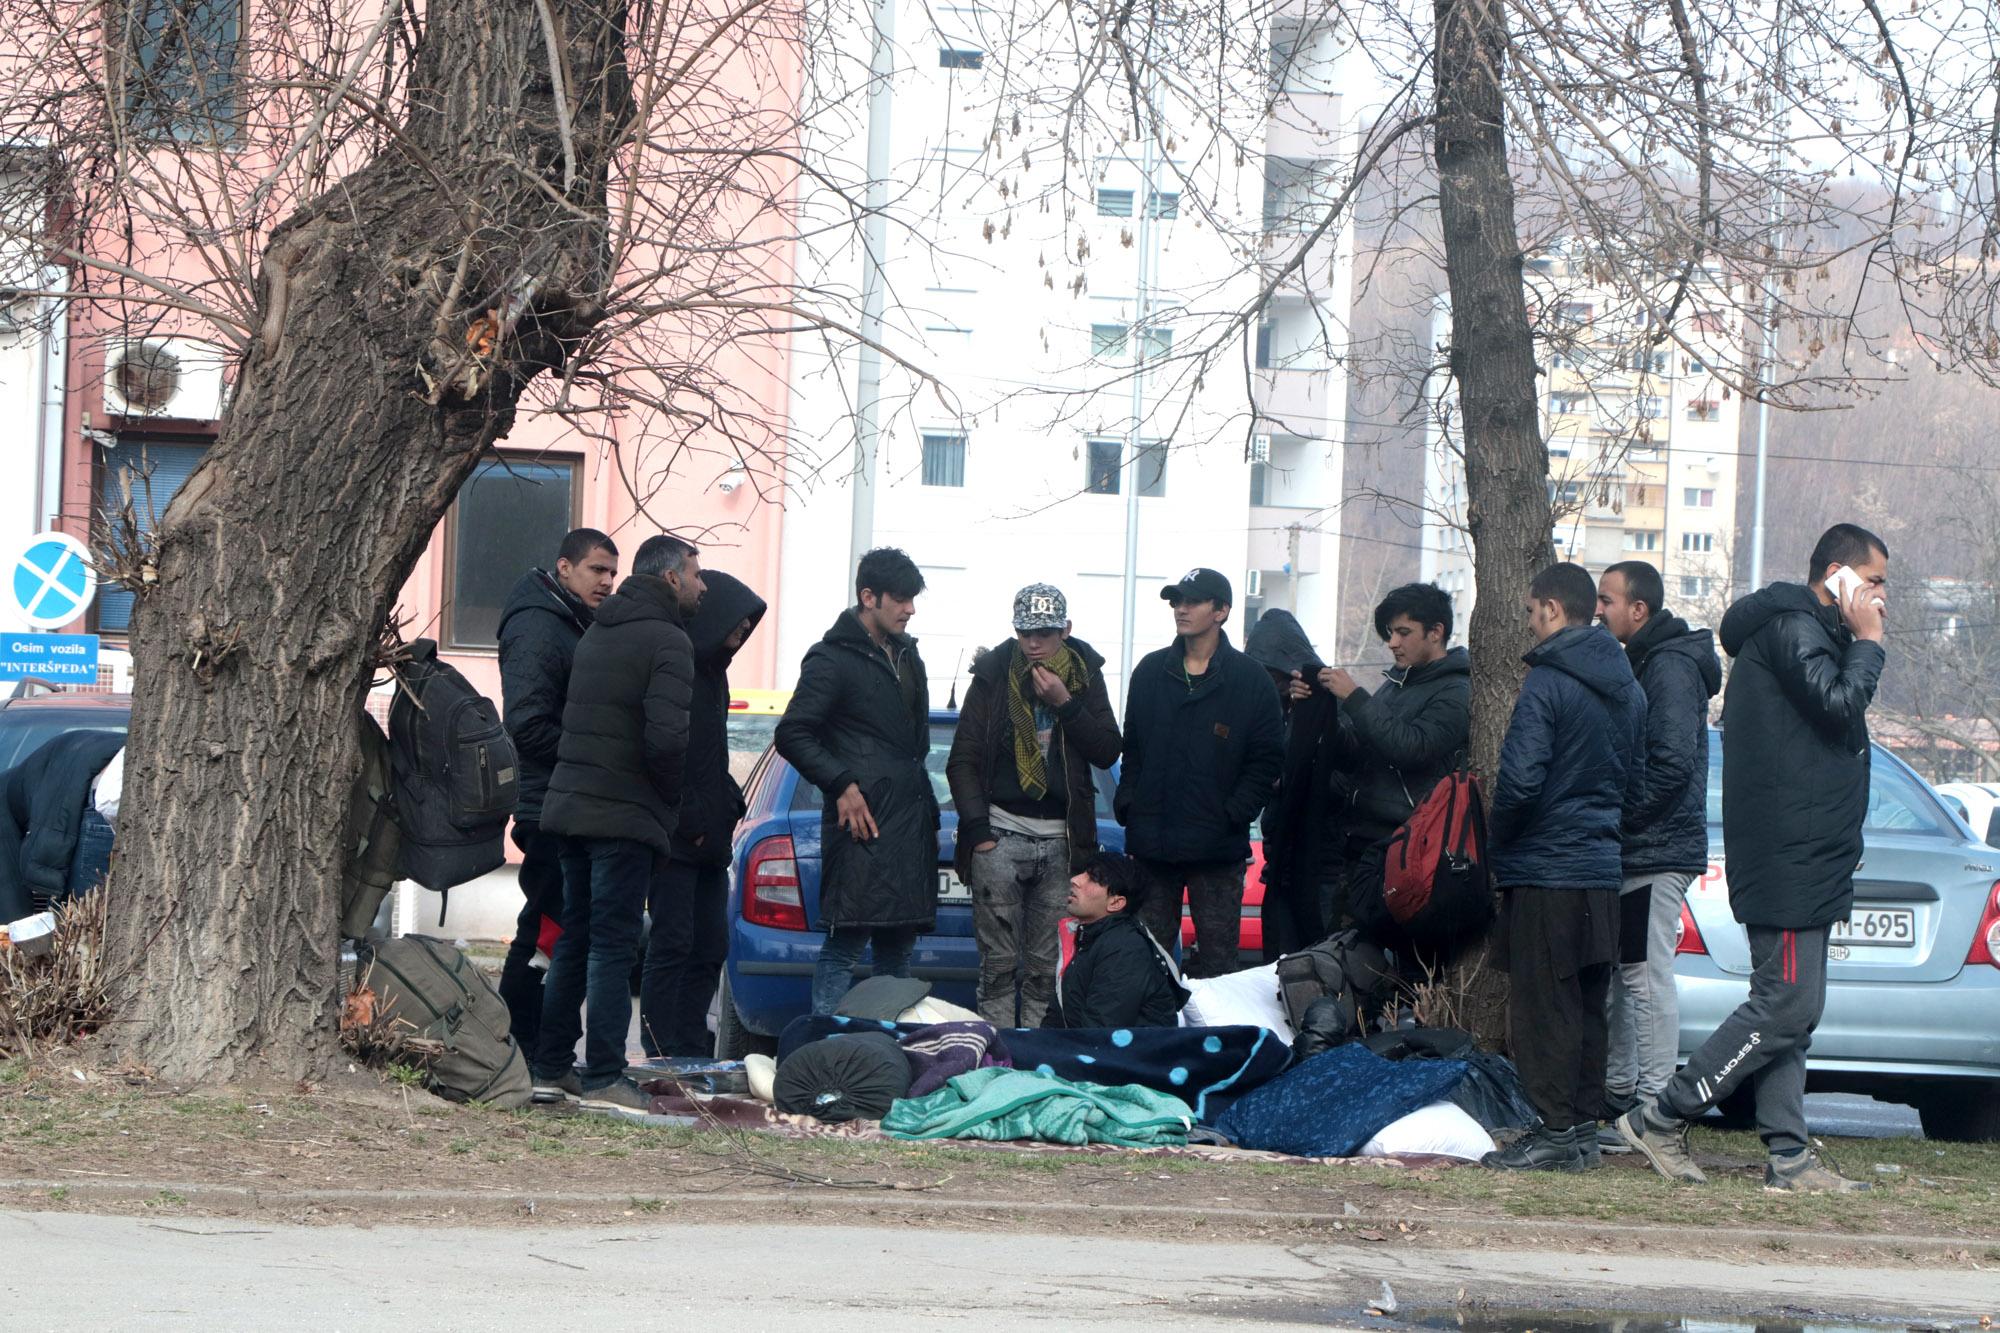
{"x":1304,"y":124}
{"x":1271,"y":539}
{"x":1297,"y":402}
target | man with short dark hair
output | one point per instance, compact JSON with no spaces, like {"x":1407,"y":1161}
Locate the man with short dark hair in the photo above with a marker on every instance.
{"x":858,"y":728}
{"x":1120,"y":977}
{"x":1036,"y":721}
{"x":1665,"y":830}
{"x":1398,"y":742}
{"x":1574,"y":757}
{"x":617,"y":790}
{"x":545,"y":616}
{"x":1795,"y":761}
{"x":1204,"y":745}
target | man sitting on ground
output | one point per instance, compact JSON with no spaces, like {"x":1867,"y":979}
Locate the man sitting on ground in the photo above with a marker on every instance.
{"x":1120,"y":976}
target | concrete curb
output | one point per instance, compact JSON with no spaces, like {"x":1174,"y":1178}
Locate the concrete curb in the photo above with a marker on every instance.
{"x":846,"y":1203}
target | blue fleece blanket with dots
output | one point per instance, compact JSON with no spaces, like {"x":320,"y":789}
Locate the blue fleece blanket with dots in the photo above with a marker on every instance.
{"x":1208,"y":1068}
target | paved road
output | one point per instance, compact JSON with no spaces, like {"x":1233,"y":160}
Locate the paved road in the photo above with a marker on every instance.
{"x":78,"y":1271}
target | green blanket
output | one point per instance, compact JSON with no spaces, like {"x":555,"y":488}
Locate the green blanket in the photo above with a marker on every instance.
{"x":1005,"y":1104}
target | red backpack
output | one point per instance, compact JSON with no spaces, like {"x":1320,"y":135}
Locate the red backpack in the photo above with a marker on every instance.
{"x":1434,"y":879}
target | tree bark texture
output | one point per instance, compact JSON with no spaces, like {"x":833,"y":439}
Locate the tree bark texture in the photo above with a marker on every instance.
{"x":403,"y":313}
{"x":1493,"y":364}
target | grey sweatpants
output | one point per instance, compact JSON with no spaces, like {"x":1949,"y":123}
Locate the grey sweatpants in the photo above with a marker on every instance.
{"x":1645,"y":1008}
{"x":1765,"y":1040}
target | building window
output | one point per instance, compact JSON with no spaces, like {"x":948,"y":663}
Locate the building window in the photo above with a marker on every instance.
{"x":1652,"y":407}
{"x":944,"y":459}
{"x":1566,"y":404}
{"x":1704,"y":409}
{"x":1264,"y":331}
{"x":957,"y":57}
{"x":1577,"y":312}
{"x":180,"y":77}
{"x":1114,"y":203}
{"x":1107,"y":341}
{"x":1692,"y":366}
{"x":1565,"y":493}
{"x":152,"y":473}
{"x":1695,"y":585}
{"x":1163,"y":204}
{"x":1648,"y":361}
{"x":511,"y":514}
{"x":1698,"y":497}
{"x":1157,"y":342}
{"x":1698,"y":541}
{"x":1642,"y":541}
{"x":1101,"y":464}
{"x":1259,"y":483}
{"x":1152,"y":470}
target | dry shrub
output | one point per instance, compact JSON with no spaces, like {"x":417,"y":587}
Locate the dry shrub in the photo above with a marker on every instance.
{"x":379,"y":1040}
{"x":54,"y":999}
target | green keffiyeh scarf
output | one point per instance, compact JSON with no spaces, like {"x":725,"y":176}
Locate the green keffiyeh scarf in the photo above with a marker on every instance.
{"x":1028,"y":762}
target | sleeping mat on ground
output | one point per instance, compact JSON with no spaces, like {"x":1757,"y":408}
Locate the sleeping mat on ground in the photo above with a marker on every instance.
{"x":1335,"y":1102}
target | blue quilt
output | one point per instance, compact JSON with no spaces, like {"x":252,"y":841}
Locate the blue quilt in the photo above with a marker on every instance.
{"x":1335,"y":1102}
{"x":1208,"y":1068}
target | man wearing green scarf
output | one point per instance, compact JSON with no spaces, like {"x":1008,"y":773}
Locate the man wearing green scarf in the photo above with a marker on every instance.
{"x":1037,"y":720}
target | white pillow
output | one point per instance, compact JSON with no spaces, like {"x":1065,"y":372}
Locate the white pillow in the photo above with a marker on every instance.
{"x":763,"y":1074}
{"x":1249,"y":999}
{"x":1442,"y":1129}
{"x":931,"y":1009}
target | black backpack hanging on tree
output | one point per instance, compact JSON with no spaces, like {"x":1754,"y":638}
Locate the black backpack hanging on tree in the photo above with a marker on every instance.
{"x":456,"y":773}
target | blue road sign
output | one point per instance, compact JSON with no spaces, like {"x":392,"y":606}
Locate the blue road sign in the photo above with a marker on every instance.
{"x":51,"y":582}
{"x":64,"y":658}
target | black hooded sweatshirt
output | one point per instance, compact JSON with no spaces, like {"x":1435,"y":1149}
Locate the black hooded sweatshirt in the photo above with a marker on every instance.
{"x":711,"y":800}
{"x":1302,"y":836}
{"x":1666,"y":824}
{"x":539,"y":629}
{"x":1795,"y":757}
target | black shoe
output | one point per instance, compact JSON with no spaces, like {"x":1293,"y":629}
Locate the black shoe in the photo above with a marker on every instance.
{"x":567,"y":1090}
{"x":621,"y":1096}
{"x":1587,"y":1149}
{"x":1540,"y":1149}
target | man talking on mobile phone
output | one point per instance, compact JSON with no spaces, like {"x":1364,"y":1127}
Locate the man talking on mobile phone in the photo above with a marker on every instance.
{"x":1794,"y":793}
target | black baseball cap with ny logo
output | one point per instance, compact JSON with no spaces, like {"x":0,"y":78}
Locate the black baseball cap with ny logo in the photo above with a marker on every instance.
{"x":1200,"y":585}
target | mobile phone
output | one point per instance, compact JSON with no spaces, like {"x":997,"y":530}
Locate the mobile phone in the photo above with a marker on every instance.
{"x":1842,"y":582}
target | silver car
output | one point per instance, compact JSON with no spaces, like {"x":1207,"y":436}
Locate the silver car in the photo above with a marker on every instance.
{"x":1913,"y":983}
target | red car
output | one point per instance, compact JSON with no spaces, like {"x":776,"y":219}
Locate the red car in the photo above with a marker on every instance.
{"x":1251,"y":944}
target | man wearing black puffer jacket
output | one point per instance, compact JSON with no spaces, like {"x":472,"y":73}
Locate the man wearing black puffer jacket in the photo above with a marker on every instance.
{"x":1302,"y":827}
{"x":545,"y":616}
{"x":617,"y":790}
{"x":1665,"y":829}
{"x":1204,"y":746}
{"x":1795,"y":762}
{"x":689,"y":940}
{"x":1573,"y":759}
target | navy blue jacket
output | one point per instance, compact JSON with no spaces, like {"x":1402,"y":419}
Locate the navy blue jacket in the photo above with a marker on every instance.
{"x":1795,"y":757}
{"x":539,"y":630}
{"x":1575,"y":754}
{"x":1666,"y":824}
{"x":1202,"y":756}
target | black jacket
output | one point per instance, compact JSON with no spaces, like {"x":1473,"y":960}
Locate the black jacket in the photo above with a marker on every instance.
{"x":1302,"y":820}
{"x":1666,"y":825}
{"x":1400,"y":740}
{"x":1202,"y":756}
{"x":625,"y":725}
{"x":41,"y":814}
{"x":539,"y":629}
{"x":1086,"y":737}
{"x":1574,"y":756}
{"x":1118,"y":979}
{"x":848,"y":723}
{"x":1795,"y":757}
{"x":711,"y":800}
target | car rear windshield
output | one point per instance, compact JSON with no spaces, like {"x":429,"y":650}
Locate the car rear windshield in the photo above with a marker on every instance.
{"x":807,"y":797}
{"x":24,"y":730}
{"x":1897,"y":802}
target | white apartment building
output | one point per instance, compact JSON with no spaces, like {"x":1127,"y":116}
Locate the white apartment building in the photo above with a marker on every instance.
{"x":1030,"y":307}
{"x":1642,"y":438}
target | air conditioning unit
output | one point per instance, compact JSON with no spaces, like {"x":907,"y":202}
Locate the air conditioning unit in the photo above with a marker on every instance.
{"x":1260,"y":448}
{"x":175,"y":378}
{"x":1253,"y":584}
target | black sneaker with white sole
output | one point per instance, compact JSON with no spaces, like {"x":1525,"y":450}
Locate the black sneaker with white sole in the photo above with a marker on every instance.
{"x":567,"y":1090}
{"x":621,"y":1096}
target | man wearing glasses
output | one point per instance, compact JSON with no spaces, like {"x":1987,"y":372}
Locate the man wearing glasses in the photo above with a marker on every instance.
{"x":1204,"y":745}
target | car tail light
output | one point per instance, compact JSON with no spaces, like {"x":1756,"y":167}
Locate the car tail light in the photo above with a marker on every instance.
{"x":771,"y":886}
{"x":1986,"y":940}
{"x":1687,"y":939}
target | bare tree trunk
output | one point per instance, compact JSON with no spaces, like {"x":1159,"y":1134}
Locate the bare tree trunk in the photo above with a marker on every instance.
{"x":1493,"y":362}
{"x":402,"y":315}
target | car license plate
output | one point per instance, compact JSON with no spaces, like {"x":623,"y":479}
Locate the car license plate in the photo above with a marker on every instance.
{"x":1882,"y":927}
{"x":952,"y":889}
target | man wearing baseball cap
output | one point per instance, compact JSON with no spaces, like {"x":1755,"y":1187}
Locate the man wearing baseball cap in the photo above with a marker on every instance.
{"x":1037,"y":719}
{"x":1204,"y":746}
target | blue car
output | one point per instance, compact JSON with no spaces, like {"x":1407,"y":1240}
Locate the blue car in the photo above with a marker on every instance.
{"x":774,"y":926}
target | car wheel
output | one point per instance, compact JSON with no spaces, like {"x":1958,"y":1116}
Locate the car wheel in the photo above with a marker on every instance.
{"x":1968,"y":1114}
{"x":733,"y":1041}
